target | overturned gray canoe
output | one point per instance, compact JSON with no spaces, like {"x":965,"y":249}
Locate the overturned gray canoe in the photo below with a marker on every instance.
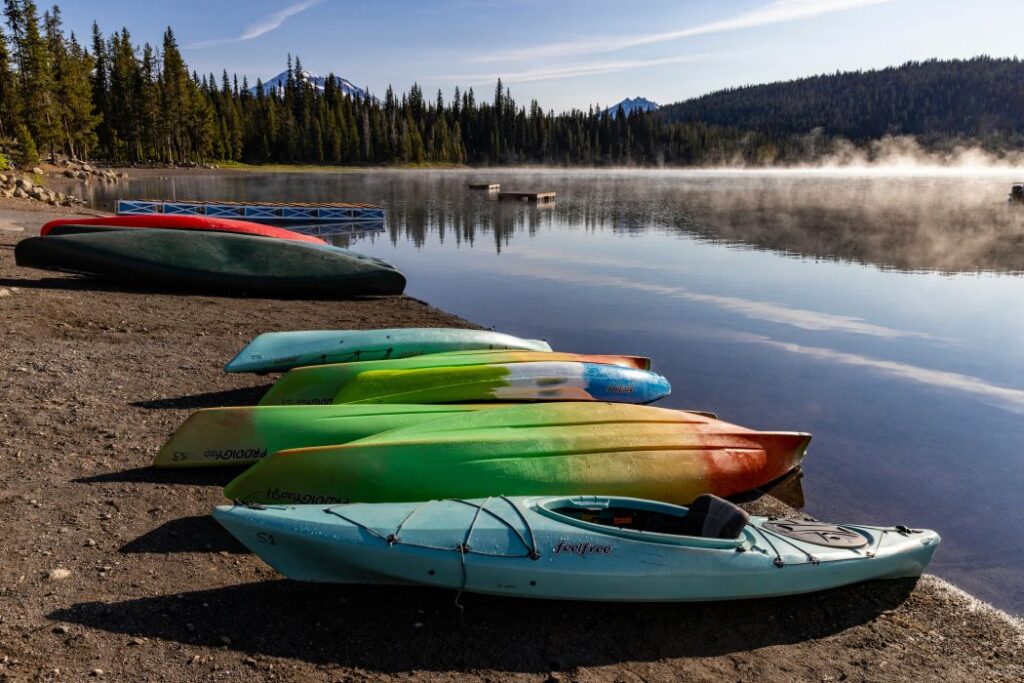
{"x":214,"y":262}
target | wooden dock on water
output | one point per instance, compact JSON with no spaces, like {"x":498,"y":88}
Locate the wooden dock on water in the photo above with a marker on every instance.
{"x":539,"y":197}
{"x":490,"y":187}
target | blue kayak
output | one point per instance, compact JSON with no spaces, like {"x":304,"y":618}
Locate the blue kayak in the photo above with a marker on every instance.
{"x":575,"y":548}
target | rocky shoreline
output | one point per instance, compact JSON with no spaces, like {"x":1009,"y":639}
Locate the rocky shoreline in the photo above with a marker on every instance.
{"x":115,"y":571}
{"x":81,"y":170}
{"x":31,"y":185}
{"x":14,"y":187}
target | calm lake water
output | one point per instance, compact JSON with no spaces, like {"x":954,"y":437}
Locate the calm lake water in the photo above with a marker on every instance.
{"x":883,"y":314}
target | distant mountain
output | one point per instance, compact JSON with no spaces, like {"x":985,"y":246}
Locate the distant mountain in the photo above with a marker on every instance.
{"x":977,"y":98}
{"x":629,"y":105}
{"x":319,"y":82}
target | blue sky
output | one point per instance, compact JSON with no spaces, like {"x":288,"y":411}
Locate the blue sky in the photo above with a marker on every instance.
{"x":565,"y":53}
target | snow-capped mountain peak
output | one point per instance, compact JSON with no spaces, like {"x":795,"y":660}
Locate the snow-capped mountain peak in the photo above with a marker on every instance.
{"x":319,"y":82}
{"x":628,"y":105}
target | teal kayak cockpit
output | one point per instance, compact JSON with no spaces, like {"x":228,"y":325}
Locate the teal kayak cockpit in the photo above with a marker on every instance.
{"x":709,"y":522}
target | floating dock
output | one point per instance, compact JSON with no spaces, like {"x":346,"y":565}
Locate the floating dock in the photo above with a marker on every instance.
{"x":490,"y":187}
{"x":539,"y":197}
{"x":269,"y":212}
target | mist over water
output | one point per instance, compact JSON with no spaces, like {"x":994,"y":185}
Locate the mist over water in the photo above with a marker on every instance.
{"x":899,"y":155}
{"x":878,"y":308}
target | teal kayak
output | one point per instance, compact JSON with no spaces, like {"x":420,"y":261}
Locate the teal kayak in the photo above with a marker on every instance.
{"x":280,"y":351}
{"x":575,"y":548}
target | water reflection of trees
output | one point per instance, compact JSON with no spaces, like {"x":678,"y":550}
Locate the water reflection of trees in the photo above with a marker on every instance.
{"x":944,"y":224}
{"x":938,"y":225}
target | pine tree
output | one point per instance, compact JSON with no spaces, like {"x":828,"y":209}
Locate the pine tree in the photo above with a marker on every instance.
{"x":28,"y":155}
{"x":74,"y":97}
{"x":125,"y":97}
{"x":35,"y":82}
{"x":149,"y":105}
{"x":100,"y":87}
{"x":16,"y":23}
{"x":175,"y":101}
{"x":9,"y":97}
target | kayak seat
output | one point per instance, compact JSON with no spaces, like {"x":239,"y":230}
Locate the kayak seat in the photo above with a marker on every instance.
{"x":707,"y":517}
{"x":712,"y":517}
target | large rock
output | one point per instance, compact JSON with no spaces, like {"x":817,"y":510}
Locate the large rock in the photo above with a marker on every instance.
{"x":20,"y":193}
{"x":23,"y":184}
{"x":37,"y":171}
{"x":69,"y":173}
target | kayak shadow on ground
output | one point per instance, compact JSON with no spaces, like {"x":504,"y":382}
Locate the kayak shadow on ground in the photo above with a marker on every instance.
{"x":76,"y":283}
{"x":399,"y":629}
{"x":247,"y":396}
{"x":199,"y":476}
{"x":89,"y":283}
{"x":194,"y":534}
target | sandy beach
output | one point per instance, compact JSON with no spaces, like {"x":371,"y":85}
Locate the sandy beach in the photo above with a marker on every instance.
{"x":114,"y":570}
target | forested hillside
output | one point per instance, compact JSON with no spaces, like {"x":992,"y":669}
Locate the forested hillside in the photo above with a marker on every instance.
{"x":119,"y":101}
{"x":981,"y":98}
{"x":112,"y":99}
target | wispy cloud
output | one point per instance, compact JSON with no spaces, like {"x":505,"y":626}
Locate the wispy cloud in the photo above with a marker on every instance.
{"x":800,"y":318}
{"x":546,"y":73}
{"x":775,"y":12}
{"x":261,"y":26}
{"x":1007,"y":397}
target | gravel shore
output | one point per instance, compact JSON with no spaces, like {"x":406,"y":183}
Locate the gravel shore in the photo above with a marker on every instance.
{"x":111,"y":570}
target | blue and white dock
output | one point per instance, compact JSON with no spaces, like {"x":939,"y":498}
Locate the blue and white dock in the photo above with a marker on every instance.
{"x":266,"y":212}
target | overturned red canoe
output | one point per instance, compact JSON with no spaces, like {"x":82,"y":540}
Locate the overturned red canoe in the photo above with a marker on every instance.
{"x":163,"y":222}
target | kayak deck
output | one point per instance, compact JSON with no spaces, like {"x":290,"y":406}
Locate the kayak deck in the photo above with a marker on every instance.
{"x":528,"y":547}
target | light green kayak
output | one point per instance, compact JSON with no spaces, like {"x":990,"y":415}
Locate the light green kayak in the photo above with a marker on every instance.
{"x":280,"y":351}
{"x":218,"y":437}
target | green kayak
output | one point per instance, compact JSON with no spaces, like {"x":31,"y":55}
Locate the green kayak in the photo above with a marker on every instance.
{"x":214,"y":262}
{"x":320,"y":384}
{"x":539,"y":449}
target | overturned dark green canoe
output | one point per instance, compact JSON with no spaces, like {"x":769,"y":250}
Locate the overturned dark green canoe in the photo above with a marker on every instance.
{"x":214,"y":262}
